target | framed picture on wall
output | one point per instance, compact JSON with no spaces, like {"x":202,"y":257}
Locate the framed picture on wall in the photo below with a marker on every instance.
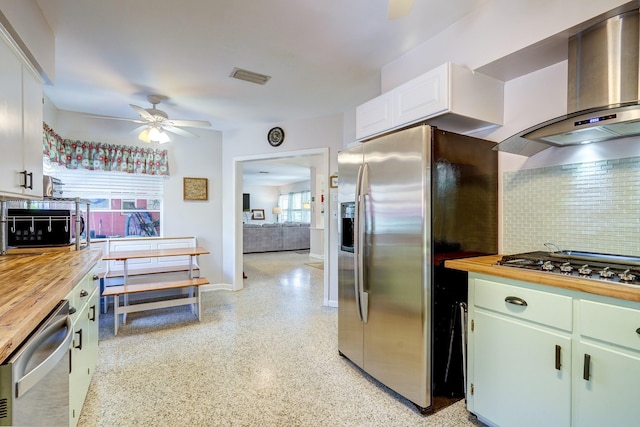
{"x":257,"y":213}
{"x":195,"y":189}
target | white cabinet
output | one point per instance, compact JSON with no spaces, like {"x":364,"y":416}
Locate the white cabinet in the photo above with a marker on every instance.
{"x":546,"y":356}
{"x":21,"y":129}
{"x":607,"y":365}
{"x":449,"y":96}
{"x":83,"y":301}
{"x":521,"y":353}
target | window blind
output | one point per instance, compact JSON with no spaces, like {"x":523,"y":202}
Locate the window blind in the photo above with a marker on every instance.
{"x":94,"y":184}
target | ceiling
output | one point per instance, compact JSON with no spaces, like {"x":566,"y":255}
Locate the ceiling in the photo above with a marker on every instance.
{"x":323,"y":56}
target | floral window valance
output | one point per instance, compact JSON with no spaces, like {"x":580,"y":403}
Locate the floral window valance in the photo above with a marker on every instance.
{"x":105,"y":157}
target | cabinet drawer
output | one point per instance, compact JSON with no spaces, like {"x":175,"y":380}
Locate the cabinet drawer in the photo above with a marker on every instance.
{"x":606,"y":322}
{"x":541,"y":307}
{"x":80,"y":294}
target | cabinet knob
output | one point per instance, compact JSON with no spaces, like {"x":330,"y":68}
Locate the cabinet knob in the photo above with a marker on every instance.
{"x":72,"y":310}
{"x":638,"y":331}
{"x":84,"y":293}
{"x":96,"y":277}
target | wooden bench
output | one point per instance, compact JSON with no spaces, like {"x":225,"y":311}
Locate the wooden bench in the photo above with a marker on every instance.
{"x":128,"y":288}
{"x":170,"y":268}
{"x":117,"y":291}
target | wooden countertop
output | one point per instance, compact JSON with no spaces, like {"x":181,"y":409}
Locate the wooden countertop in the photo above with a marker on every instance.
{"x":31,"y":285}
{"x":486,"y":265}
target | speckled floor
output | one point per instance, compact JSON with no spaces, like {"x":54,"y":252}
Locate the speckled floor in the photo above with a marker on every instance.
{"x":263,"y":356}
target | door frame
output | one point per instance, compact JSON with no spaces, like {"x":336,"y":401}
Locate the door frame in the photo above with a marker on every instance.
{"x":237,"y":203}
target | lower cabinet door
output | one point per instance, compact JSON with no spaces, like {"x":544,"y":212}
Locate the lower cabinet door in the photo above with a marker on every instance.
{"x":610,"y":395}
{"x":78,"y":378}
{"x":92,"y":333}
{"x":522,"y":372}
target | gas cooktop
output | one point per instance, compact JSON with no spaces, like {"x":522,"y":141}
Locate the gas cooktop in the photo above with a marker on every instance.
{"x":609,"y":268}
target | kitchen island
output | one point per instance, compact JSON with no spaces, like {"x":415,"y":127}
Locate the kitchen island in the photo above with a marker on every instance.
{"x":550,"y":349}
{"x":31,"y":285}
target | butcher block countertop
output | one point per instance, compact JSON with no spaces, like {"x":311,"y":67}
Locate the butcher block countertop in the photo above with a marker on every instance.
{"x":31,"y":285}
{"x":486,"y":265}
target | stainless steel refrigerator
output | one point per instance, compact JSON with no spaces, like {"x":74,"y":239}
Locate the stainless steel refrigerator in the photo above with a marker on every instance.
{"x":409,"y":200}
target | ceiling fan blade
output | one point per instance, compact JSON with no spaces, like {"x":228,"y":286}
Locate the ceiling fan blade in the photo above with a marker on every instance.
{"x":93,"y":116}
{"x":178,"y":131}
{"x":143,"y":113}
{"x":193,"y":123}
{"x":399,"y":8}
{"x":139,"y":129}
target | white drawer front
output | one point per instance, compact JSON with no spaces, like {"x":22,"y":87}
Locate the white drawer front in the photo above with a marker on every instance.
{"x":606,"y":322}
{"x":541,"y":307}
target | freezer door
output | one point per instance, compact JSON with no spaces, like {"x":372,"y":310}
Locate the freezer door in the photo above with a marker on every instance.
{"x":397,"y":349}
{"x":350,"y":334}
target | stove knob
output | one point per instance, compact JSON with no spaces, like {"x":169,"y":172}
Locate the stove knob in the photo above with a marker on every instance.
{"x":566,"y":267}
{"x":606,"y":273}
{"x":585,"y":270}
{"x":626,"y":276}
{"x":547,"y":266}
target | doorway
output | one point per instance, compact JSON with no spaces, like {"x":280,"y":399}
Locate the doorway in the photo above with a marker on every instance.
{"x":318,"y":162}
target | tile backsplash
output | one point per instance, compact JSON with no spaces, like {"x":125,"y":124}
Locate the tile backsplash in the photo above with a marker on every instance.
{"x":592,"y":206}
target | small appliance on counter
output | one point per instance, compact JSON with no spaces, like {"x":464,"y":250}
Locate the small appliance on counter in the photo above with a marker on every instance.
{"x":51,"y":186}
{"x":41,"y":227}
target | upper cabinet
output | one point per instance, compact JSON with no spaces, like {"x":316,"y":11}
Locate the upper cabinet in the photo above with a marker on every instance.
{"x":450,"y":96}
{"x":20,"y":124}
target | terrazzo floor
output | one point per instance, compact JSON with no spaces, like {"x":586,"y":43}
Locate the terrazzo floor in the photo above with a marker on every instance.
{"x":263,"y":356}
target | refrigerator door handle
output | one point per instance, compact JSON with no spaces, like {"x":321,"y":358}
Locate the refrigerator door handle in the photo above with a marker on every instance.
{"x":363,"y":193}
{"x":356,"y":246}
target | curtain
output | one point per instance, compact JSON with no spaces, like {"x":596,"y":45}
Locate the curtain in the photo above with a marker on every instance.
{"x":104,"y":157}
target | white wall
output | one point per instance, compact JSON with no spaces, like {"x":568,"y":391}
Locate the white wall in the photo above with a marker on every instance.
{"x":249,"y":143}
{"x":262,"y":197}
{"x":199,"y":157}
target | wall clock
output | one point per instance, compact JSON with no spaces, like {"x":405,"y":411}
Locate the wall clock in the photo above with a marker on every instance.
{"x":275,"y":136}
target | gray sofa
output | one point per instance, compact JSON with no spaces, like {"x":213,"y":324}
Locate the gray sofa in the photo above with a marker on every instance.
{"x":287,"y":236}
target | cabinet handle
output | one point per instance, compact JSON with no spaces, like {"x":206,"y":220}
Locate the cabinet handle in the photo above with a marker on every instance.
{"x":95,"y":277}
{"x":638,"y":331}
{"x":72,"y":310}
{"x":79,"y":346}
{"x":84,"y":293}
{"x":92,"y":316}
{"x":28,"y":179}
{"x":558,"y":349}
{"x":516,"y":301}
{"x":586,"y":369}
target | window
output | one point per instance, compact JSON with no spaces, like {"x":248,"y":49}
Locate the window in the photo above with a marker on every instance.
{"x":122,"y":204}
{"x":296,"y":207}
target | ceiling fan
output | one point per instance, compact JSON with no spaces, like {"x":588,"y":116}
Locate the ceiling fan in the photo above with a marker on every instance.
{"x":156,"y":123}
{"x":399,"y":8}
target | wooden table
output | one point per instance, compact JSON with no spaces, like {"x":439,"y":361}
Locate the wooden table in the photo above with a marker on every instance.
{"x":193,"y":283}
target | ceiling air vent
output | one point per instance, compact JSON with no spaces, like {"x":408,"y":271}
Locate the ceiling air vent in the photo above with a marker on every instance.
{"x":249,"y":76}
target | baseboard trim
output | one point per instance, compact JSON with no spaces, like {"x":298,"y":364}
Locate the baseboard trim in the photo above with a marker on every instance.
{"x":216,"y":287}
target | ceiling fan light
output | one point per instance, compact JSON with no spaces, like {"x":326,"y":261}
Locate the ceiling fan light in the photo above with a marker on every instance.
{"x":144,"y":135}
{"x":163,"y":137}
{"x":154,"y":134}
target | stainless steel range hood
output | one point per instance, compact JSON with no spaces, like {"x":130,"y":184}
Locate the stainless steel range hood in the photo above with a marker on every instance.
{"x":603,"y":97}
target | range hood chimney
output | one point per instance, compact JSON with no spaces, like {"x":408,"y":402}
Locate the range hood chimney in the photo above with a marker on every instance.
{"x":603,"y":100}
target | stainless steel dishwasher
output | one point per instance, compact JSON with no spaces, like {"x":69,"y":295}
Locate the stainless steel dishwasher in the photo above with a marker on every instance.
{"x":34,"y":382}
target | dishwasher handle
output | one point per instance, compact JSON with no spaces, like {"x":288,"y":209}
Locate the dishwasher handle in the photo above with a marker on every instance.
{"x":34,"y":376}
